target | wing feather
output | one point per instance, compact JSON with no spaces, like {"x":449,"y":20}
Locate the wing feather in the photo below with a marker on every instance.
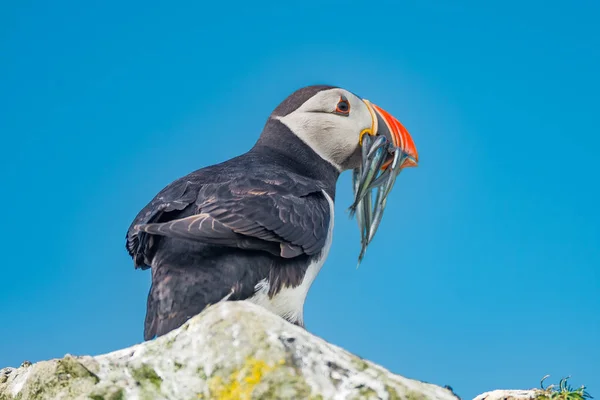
{"x":285,"y":220}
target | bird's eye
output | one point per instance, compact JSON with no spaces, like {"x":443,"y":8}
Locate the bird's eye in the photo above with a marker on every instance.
{"x":343,"y":107}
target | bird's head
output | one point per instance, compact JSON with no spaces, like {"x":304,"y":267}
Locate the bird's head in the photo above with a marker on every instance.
{"x":332,"y":121}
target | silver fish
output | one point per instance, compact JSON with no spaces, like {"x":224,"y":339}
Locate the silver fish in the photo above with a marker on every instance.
{"x":378,"y":214}
{"x":380,"y":201}
{"x":369,"y":172}
{"x":359,"y":210}
{"x":366,"y":145}
{"x":373,"y":148}
{"x":384,"y":191}
{"x":357,"y":173}
{"x":367,"y":206}
{"x":380,"y":180}
{"x":364,"y":213}
{"x":396,"y":161}
{"x":383,"y":177}
{"x":363,"y":250}
{"x":369,"y":177}
{"x":379,"y":142}
{"x":360,"y":215}
{"x":394,"y":168}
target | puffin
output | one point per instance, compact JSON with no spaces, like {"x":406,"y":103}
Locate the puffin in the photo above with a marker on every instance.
{"x":257,"y":227}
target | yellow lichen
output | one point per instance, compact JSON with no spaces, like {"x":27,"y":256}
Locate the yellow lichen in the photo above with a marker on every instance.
{"x":241,"y":383}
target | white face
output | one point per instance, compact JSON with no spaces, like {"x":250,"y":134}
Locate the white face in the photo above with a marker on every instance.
{"x":330,"y":127}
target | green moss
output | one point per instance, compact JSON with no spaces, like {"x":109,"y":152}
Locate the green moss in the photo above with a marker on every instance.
{"x":365,"y":392}
{"x":51,"y":379}
{"x":118,"y":395}
{"x":145,"y":373}
{"x":393,"y":395}
{"x":170,"y":342}
{"x":285,"y":384}
{"x":69,"y":368}
{"x":109,"y":394}
{"x":360,"y":364}
{"x":201,"y":373}
{"x":415,"y":396}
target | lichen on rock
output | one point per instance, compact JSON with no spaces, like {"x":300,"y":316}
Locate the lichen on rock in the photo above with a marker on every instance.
{"x":232,"y":350}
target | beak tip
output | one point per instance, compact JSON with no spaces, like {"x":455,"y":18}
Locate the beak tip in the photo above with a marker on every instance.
{"x":411,"y":163}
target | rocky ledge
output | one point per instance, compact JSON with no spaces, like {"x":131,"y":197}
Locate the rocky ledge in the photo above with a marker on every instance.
{"x":232,"y":350}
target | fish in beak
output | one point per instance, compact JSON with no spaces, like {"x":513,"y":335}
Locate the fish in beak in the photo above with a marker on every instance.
{"x":386,"y":149}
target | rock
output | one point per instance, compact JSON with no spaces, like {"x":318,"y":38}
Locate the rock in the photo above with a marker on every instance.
{"x":510,"y":395}
{"x":232,"y":350}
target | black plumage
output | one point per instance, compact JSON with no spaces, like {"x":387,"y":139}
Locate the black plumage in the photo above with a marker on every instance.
{"x":220,"y":230}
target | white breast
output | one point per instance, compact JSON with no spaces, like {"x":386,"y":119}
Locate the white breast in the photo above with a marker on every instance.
{"x":289,"y":302}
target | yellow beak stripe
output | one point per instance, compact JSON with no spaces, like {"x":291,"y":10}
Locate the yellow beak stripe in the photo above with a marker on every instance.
{"x":373,"y":129}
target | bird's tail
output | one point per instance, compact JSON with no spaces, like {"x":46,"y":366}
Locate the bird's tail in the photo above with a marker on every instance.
{"x":179,"y":293}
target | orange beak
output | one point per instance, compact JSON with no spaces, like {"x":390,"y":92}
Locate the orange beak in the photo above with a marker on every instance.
{"x":385,"y":124}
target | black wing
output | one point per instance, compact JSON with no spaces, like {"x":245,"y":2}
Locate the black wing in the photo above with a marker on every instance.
{"x":174,"y":198}
{"x":283,"y":216}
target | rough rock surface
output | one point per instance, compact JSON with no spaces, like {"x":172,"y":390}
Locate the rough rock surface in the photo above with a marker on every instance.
{"x":510,"y":395}
{"x":232,"y":350}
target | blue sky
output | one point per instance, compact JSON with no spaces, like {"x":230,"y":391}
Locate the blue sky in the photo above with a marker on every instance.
{"x":485,"y":271}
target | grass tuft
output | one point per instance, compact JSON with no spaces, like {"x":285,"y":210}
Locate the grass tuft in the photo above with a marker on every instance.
{"x":563,"y":391}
